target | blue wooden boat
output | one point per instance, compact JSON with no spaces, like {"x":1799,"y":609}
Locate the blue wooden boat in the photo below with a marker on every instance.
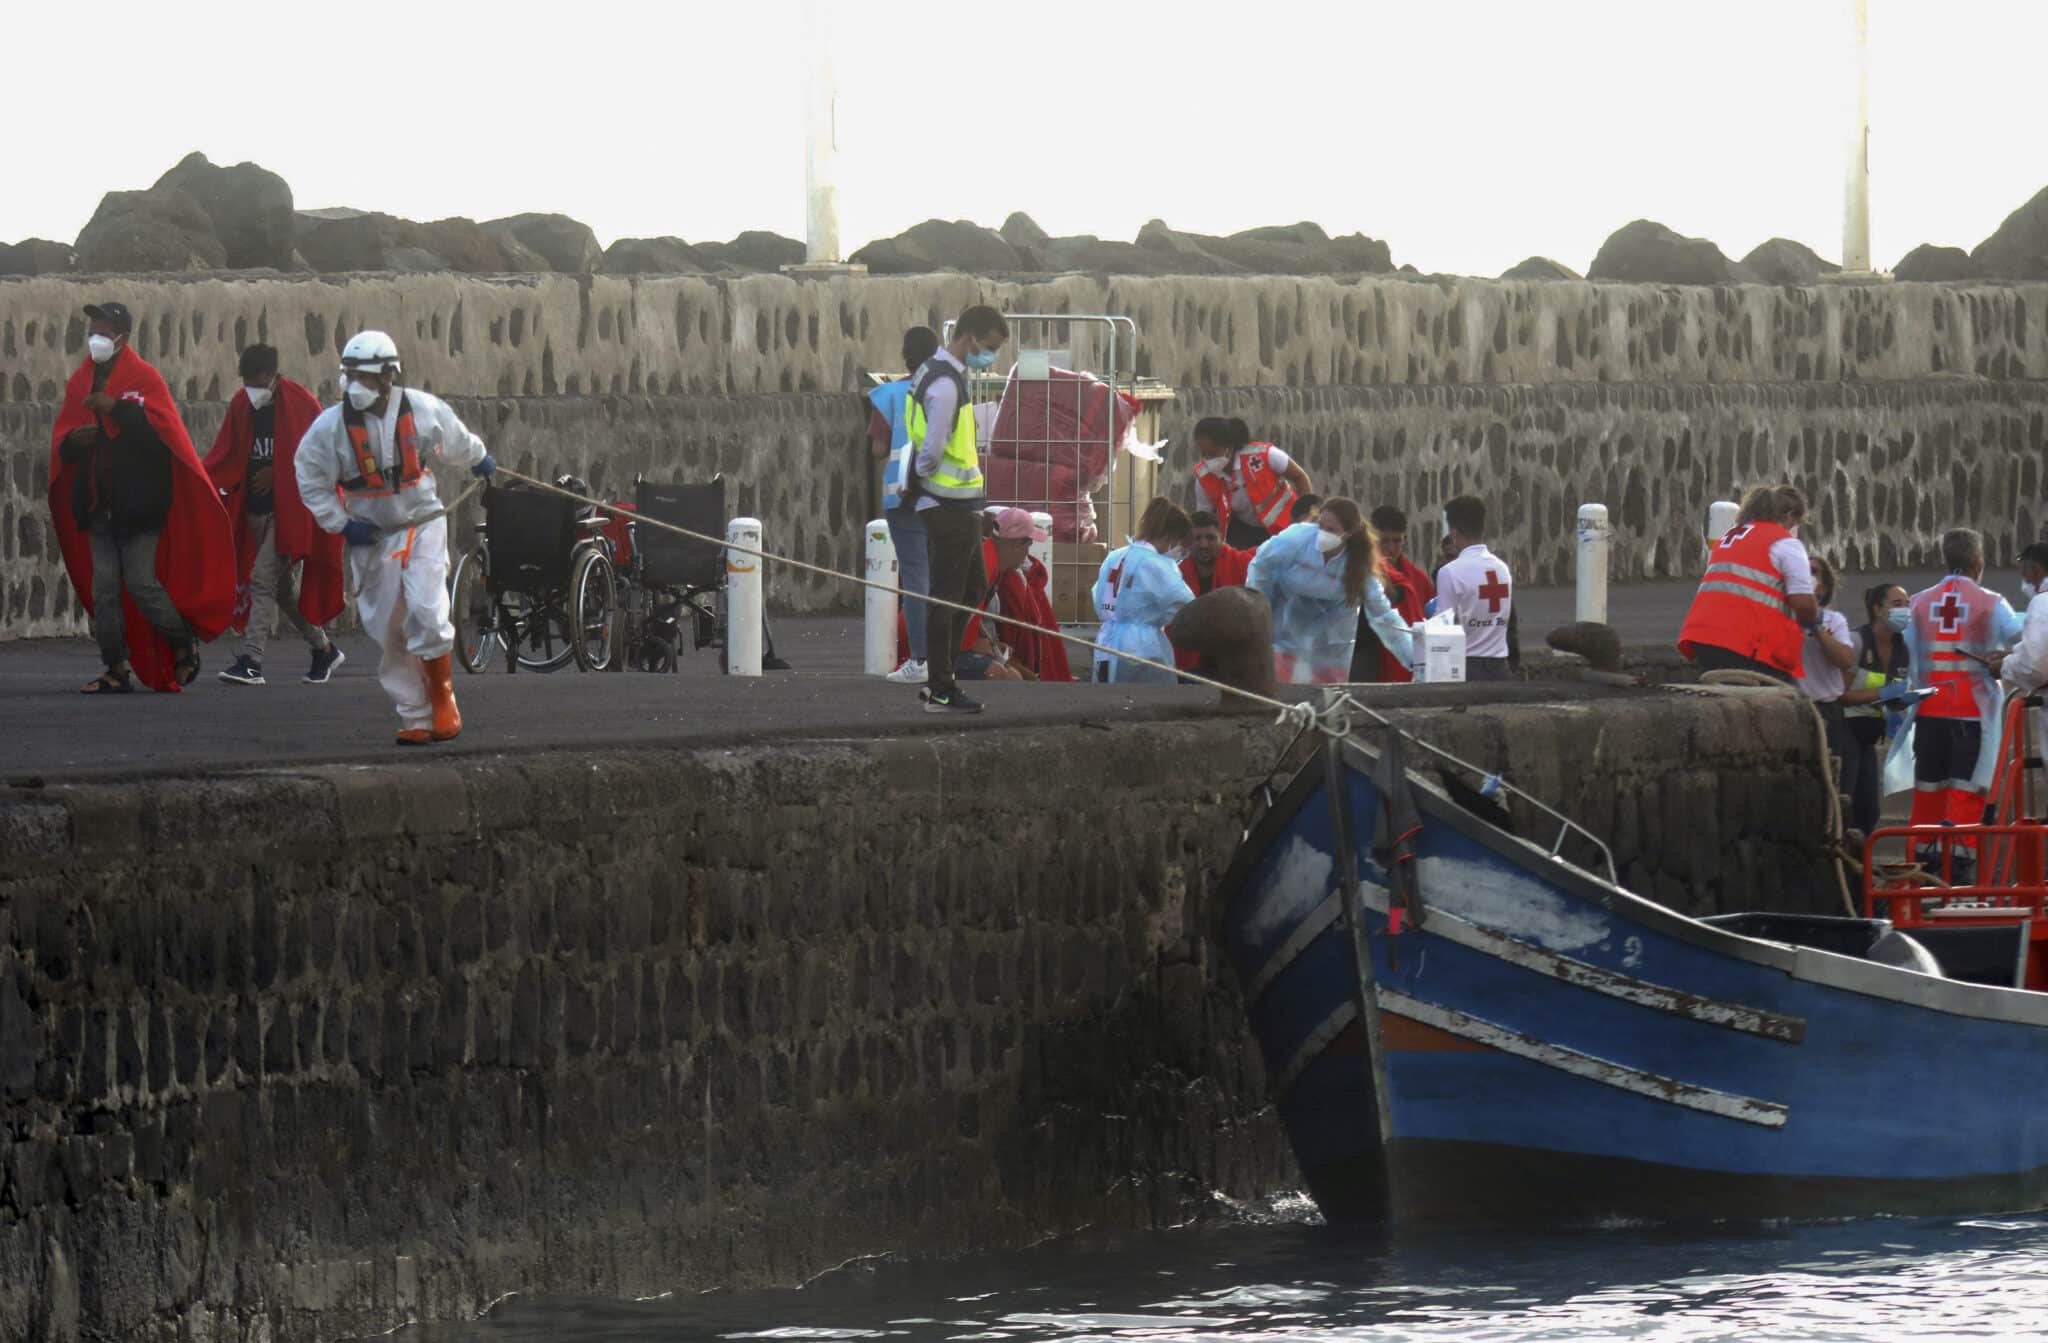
{"x":1523,"y":1040}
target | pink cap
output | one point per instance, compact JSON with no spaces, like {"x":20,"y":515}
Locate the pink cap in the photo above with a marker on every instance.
{"x":1014,"y":524}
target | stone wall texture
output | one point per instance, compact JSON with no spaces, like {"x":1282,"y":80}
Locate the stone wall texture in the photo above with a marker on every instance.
{"x":624,"y":1023}
{"x":545,"y":335}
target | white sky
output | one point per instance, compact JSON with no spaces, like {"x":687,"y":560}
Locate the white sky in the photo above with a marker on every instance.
{"x":1467,"y":133}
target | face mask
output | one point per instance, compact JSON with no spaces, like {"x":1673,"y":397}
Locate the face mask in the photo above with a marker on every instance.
{"x":2028,"y":590}
{"x":363,"y":395}
{"x":1177,"y":554}
{"x":981,"y":359}
{"x":259,"y":397}
{"x":100,"y":347}
{"x":1898,"y":617}
{"x":1328,"y":542}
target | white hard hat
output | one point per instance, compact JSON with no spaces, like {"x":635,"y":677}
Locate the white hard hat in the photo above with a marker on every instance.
{"x":370,"y":352}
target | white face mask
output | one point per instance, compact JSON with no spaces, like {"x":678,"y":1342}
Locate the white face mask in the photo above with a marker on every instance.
{"x":1177,"y":554}
{"x":2028,"y":590}
{"x":363,"y":395}
{"x":259,"y":397}
{"x":101,"y":348}
{"x":1328,"y":542}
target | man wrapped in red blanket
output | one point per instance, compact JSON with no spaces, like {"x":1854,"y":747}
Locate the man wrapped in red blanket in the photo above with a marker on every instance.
{"x":145,"y":539}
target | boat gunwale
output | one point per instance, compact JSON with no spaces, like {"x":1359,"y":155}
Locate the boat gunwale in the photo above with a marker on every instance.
{"x":1827,"y":969}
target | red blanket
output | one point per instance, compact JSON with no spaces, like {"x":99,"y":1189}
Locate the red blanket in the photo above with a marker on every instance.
{"x":297,"y":536}
{"x":195,"y":556}
{"x":1409,"y":588}
{"x":1233,"y":566}
{"x":1025,"y":601}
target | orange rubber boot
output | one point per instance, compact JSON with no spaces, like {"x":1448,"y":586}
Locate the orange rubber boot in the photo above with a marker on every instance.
{"x":441,"y":690}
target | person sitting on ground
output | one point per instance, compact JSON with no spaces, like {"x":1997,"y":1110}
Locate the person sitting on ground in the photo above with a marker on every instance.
{"x":145,"y":540}
{"x":1479,"y":591}
{"x":1954,"y":629}
{"x":1250,"y":486}
{"x":1009,"y":638}
{"x":1306,"y":507}
{"x":1318,"y":576}
{"x":1875,"y":683}
{"x":1137,"y":593}
{"x":1210,"y":565}
{"x":1757,"y":597}
{"x":1409,"y":589}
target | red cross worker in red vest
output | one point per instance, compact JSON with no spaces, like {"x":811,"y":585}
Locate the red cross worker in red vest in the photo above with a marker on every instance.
{"x":1756,"y":602}
{"x":1954,"y":629}
{"x":1250,"y":487}
{"x":1478,"y":589}
{"x":364,"y":472}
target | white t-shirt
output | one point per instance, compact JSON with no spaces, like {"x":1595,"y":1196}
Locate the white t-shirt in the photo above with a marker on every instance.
{"x":1823,"y":681}
{"x":1480,"y":592}
{"x":1240,"y":502}
{"x":1789,"y":555}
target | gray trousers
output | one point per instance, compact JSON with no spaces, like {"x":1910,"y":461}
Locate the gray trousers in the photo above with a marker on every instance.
{"x":128,"y":562}
{"x":271,"y":583}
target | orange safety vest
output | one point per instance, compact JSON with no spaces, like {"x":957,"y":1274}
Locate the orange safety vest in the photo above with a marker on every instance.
{"x":1953,"y":619}
{"x":1272,"y":497}
{"x":370,"y":481}
{"x":1742,"y":604}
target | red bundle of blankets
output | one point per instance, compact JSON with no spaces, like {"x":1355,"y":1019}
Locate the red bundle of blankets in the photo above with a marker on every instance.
{"x":1051,"y":447}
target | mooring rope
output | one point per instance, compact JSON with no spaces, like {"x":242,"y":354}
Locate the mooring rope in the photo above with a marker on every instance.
{"x":1301,"y":714}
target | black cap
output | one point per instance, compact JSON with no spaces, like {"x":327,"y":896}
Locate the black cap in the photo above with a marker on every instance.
{"x":114,"y":314}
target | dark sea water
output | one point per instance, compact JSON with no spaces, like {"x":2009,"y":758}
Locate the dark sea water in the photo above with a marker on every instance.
{"x":1279,"y":1276}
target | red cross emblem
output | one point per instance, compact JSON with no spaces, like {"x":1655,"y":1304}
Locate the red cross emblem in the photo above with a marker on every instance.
{"x":1116,"y":577}
{"x":1738,"y":533}
{"x":1950,"y":614}
{"x":1494,"y":591}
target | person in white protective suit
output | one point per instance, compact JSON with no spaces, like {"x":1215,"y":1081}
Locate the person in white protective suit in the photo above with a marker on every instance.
{"x":1317,"y":576}
{"x":1137,"y":594}
{"x":2025,"y":668}
{"x":364,"y":471}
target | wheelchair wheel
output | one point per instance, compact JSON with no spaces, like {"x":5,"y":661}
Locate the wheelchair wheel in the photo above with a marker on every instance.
{"x":537,"y":634}
{"x":475,"y":615}
{"x":593,"y":610}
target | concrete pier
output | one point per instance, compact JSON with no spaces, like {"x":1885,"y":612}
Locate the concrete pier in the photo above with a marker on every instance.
{"x":303,"y":1045}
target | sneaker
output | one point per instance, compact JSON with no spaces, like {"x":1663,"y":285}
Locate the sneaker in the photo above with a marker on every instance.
{"x":956,"y":702}
{"x":912,"y":672}
{"x":324,"y":663}
{"x":245,"y":671}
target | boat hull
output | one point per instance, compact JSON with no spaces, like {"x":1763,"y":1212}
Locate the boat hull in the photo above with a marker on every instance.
{"x":1547,"y":1047}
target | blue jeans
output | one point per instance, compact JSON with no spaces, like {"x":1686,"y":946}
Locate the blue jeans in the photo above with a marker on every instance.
{"x":913,"y":572}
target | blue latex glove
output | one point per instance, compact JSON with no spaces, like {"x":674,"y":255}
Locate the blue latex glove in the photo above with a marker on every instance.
{"x":1429,"y":608}
{"x":1894,"y":725}
{"x":359,"y":533}
{"x":1893,"y":690}
{"x":484,"y":467}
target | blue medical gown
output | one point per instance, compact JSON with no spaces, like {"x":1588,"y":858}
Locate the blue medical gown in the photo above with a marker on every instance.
{"x":1312,"y":621}
{"x":1137,"y":594}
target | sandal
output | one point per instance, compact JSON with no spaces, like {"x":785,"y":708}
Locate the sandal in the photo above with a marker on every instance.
{"x":108,"y":683}
{"x":186,"y":669}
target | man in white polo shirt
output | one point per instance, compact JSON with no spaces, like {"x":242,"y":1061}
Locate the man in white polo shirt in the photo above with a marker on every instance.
{"x":1478,"y":590}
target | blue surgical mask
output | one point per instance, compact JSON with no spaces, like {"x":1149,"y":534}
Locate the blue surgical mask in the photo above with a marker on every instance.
{"x":981,"y":359}
{"x":1898,"y":617}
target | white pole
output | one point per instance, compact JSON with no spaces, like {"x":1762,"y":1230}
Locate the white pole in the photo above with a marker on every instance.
{"x":1595,"y":539}
{"x":821,"y":141}
{"x":1721,"y":515}
{"x":743,"y":599}
{"x":1856,"y":196}
{"x":1042,"y":550}
{"x":881,"y":603}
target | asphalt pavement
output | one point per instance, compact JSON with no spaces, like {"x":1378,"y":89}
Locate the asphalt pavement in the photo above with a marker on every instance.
{"x":50,"y":731}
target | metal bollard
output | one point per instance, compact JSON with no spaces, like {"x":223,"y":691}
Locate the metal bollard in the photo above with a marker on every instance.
{"x":743,"y":599}
{"x":1042,"y":550}
{"x":1595,"y":538}
{"x":880,"y":657}
{"x":1721,"y":515}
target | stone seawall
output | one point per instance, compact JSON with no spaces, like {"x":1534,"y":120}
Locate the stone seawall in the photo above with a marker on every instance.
{"x":547,"y":335}
{"x":623,"y":1023}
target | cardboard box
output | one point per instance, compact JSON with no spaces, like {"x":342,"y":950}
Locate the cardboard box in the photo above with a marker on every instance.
{"x":1074,"y":567}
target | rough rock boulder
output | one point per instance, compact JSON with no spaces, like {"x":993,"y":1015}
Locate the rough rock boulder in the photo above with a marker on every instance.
{"x":159,"y":229}
{"x":250,"y":209}
{"x":1539,"y":268}
{"x":755,"y":249}
{"x":2019,"y":249}
{"x":1929,"y":262}
{"x":1646,"y":252}
{"x":654,"y":256}
{"x":567,"y":245}
{"x":1783,"y":261}
{"x":35,"y":256}
{"x":938,"y":244}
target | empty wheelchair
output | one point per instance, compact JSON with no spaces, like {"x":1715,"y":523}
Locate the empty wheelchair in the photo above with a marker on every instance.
{"x":674,"y":586}
{"x":537,"y":584}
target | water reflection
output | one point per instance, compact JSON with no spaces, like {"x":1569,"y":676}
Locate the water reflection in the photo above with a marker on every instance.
{"x":1307,"y":1283}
